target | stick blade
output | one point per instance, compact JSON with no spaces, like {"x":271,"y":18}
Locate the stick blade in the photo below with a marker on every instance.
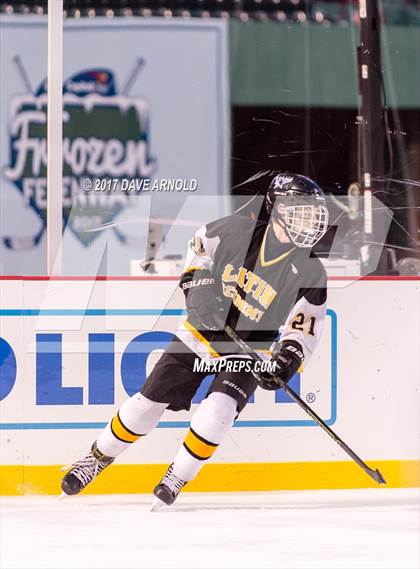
{"x":379,"y":478}
{"x":376,"y":475}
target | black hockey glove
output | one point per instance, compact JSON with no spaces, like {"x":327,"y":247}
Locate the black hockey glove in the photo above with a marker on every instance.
{"x":288,"y":357}
{"x":200,"y":298}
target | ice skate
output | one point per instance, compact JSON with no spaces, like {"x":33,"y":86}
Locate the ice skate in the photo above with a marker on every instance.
{"x":84,"y":471}
{"x":167,"y":490}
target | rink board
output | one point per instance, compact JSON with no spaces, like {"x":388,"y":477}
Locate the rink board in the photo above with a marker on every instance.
{"x":72,"y":349}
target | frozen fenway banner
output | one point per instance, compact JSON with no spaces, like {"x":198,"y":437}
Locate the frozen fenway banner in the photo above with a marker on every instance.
{"x":72,"y":350}
{"x":145,"y":111}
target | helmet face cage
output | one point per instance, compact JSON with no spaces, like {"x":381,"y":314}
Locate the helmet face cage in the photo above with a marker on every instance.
{"x":304,"y":221}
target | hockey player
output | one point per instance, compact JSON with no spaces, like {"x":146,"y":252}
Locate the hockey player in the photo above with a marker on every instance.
{"x":256,"y":277}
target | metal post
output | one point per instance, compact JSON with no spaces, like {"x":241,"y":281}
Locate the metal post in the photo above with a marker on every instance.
{"x":55,"y":137}
{"x":370,"y":82}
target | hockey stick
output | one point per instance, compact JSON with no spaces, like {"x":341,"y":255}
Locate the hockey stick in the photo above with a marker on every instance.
{"x":375,"y":474}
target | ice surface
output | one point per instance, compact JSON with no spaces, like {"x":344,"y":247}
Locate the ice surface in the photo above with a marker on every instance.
{"x":326,"y":529}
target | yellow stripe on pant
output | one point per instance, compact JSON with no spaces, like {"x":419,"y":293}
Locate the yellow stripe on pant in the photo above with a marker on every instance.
{"x":198,"y":447}
{"x":121,"y":432}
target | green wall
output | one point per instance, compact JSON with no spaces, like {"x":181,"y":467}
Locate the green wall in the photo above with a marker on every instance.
{"x":274,"y":64}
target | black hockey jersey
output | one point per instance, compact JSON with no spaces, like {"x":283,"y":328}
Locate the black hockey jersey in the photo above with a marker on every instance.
{"x":266,"y":287}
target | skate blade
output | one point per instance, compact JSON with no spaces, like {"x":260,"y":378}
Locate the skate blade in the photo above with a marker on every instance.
{"x":158,"y":506}
{"x":63,"y":495}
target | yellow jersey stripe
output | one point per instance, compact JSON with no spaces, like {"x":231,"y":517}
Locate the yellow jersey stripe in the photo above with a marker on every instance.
{"x":121,"y":432}
{"x":201,"y":338}
{"x":265,"y":263}
{"x":199,"y":447}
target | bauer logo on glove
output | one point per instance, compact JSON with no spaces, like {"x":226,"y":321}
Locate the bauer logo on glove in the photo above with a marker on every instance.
{"x":288,"y":357}
{"x":197,"y":282}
